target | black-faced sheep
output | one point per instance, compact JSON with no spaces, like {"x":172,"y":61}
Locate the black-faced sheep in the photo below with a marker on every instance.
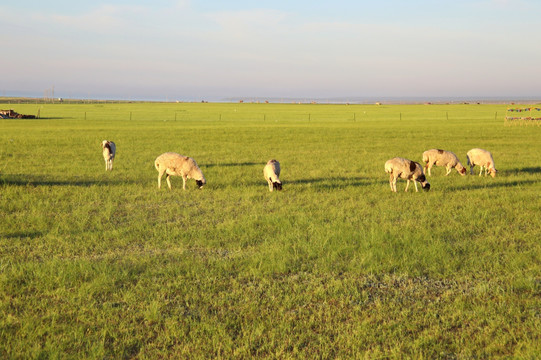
{"x":484,"y":159}
{"x":406,"y":169}
{"x":109,"y":151}
{"x":271,"y":172}
{"x":174,"y":164}
{"x":442,"y":158}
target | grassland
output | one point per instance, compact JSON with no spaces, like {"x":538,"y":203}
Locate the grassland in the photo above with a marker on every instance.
{"x":105,"y":265}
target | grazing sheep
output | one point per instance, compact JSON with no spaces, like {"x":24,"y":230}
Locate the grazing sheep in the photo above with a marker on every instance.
{"x":406,"y":169}
{"x":483,"y":158}
{"x":271,"y":171}
{"x":442,"y":158}
{"x":109,"y":151}
{"x":174,"y":164}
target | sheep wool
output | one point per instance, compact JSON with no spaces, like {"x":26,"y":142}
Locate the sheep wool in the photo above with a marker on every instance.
{"x":484,"y":159}
{"x":109,"y":152}
{"x":173,"y":164}
{"x":405,"y":169}
{"x":271,"y":172}
{"x":445,"y":158}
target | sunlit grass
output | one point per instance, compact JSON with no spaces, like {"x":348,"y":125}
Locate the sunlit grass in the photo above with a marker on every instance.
{"x":97,"y":264}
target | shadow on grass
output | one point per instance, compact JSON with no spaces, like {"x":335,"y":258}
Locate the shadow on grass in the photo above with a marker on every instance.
{"x":22,"y":234}
{"x":24,"y":180}
{"x":335,"y":182}
{"x":491,"y":185}
{"x":529,"y":170}
{"x":232,"y":164}
{"x":314,"y":183}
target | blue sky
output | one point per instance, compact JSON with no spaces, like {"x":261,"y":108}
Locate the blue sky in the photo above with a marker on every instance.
{"x":191,"y":50}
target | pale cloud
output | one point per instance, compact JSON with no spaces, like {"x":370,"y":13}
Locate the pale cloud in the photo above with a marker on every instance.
{"x":505,"y":4}
{"x":103,"y":19}
{"x":249,"y":22}
{"x":182,"y":4}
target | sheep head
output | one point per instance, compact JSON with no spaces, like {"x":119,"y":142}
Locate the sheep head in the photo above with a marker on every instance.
{"x":200,"y":183}
{"x":277,"y":185}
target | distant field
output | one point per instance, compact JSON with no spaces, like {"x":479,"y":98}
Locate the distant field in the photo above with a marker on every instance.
{"x":98,"y":265}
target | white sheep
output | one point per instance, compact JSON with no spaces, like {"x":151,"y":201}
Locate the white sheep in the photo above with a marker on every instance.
{"x":271,"y":172}
{"x":406,"y":169}
{"x":109,"y":151}
{"x":442,"y":158}
{"x":174,"y":164}
{"x":484,"y":159}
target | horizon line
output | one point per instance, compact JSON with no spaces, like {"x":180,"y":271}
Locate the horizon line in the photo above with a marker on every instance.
{"x":361,"y":100}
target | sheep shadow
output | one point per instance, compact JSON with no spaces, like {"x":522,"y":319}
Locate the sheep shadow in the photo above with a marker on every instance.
{"x":529,"y":170}
{"x":24,"y":180}
{"x":315,"y":183}
{"x":21,"y":234}
{"x":332,"y":183}
{"x":492,"y":185}
{"x":232,"y":164}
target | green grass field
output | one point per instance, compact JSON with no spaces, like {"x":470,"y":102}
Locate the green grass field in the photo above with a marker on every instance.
{"x":97,"y":264}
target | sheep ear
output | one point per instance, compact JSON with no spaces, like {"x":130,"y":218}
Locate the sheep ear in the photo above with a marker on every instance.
{"x":412,"y":165}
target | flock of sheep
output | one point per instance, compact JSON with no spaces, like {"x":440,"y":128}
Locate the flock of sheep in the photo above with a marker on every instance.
{"x":413,"y":171}
{"x":173,"y":164}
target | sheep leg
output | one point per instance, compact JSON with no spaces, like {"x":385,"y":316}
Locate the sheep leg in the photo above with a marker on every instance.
{"x":471,"y":169}
{"x":448,"y":171}
{"x":481,"y":172}
{"x":428,"y":167}
{"x":167,"y":177}
{"x":271,"y":187}
{"x":407,"y":185}
{"x":106,"y":166}
{"x":184,"y":182}
{"x":391,"y":183}
{"x":111,"y":164}
{"x":415,"y":183}
{"x":160,"y":174}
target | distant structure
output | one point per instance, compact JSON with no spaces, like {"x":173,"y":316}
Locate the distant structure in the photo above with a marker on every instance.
{"x":10,"y":114}
{"x":524,"y":116}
